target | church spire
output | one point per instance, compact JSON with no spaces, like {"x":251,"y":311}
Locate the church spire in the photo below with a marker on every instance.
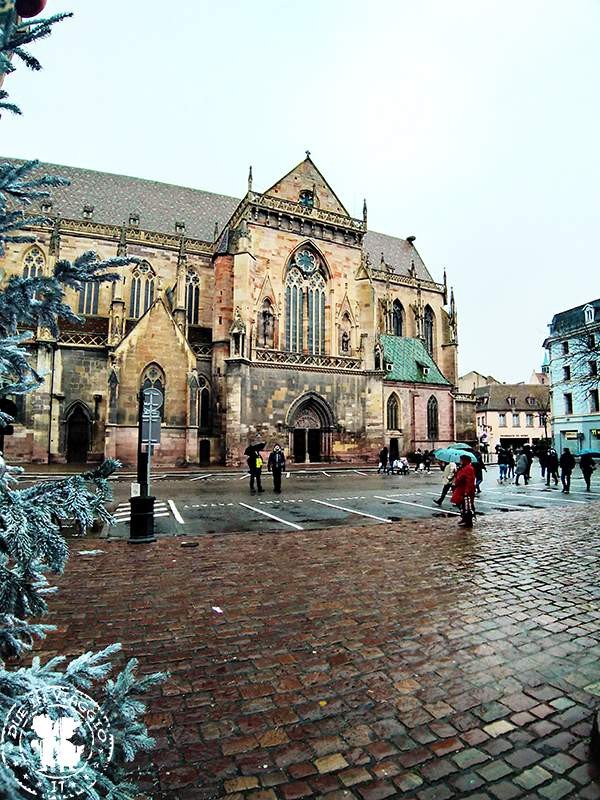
{"x":365,"y":211}
{"x":250,"y":178}
{"x":445,"y":287}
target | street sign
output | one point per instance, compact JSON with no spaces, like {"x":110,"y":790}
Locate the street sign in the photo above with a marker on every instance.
{"x":152,"y":403}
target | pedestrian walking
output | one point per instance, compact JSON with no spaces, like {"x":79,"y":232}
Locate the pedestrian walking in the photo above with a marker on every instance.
{"x":418,"y":459}
{"x":276,"y":465}
{"x":403,"y":466}
{"x":522,"y":468}
{"x":479,"y":468}
{"x":255,"y":463}
{"x":502,"y":464}
{"x":448,"y":480}
{"x":383,"y":460}
{"x":587,"y":466}
{"x":529,"y":457}
{"x":543,"y":459}
{"x":463,"y":494}
{"x":552,"y":467}
{"x":567,"y":462}
{"x":510,"y":460}
{"x":427,"y":461}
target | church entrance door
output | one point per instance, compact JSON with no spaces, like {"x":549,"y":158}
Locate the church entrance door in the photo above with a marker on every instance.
{"x":310,"y":423}
{"x":78,"y":437}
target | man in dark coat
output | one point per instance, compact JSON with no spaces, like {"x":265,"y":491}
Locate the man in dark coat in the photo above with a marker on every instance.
{"x":383,"y":459}
{"x":276,"y":465}
{"x":479,"y":466}
{"x":255,"y":463}
{"x":552,"y":467}
{"x":567,"y":462}
{"x":587,"y":466}
{"x":463,"y":495}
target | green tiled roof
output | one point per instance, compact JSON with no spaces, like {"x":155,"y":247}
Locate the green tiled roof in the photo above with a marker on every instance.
{"x":406,"y":355}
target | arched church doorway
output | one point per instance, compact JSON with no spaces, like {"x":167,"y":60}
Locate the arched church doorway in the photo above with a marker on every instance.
{"x":78,"y":436}
{"x":204,"y":452}
{"x":310,"y":424}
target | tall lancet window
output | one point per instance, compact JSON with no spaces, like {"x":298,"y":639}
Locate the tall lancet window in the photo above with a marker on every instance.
{"x":293,"y":311}
{"x":305,"y":294}
{"x":316,"y":314}
{"x":141,"y":295}
{"x":428,"y":326}
{"x":192,"y":296}
{"x":397,"y":318}
{"x":33,"y":263}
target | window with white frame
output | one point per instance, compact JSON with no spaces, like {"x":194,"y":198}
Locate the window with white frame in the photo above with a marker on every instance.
{"x":516,"y":419}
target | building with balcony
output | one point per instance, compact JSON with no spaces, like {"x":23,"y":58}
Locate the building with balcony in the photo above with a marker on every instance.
{"x":277,"y":317}
{"x":573,"y":356}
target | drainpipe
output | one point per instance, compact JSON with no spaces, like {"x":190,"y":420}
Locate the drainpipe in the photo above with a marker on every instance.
{"x":51,"y":398}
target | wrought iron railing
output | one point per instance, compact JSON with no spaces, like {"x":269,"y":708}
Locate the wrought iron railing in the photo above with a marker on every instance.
{"x":84,"y":338}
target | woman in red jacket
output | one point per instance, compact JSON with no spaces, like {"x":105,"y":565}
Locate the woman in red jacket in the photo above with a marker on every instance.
{"x":463,"y":495}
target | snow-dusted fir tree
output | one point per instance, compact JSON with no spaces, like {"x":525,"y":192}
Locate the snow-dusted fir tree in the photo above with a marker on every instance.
{"x":31,"y":544}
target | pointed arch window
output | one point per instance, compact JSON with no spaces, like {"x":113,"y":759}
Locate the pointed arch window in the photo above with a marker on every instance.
{"x":34,"y":262}
{"x":192,"y":297}
{"x":153,"y":377}
{"x":393,"y":413}
{"x":266,"y":327}
{"x":397,"y":318}
{"x":316,"y":314}
{"x":88,"y":298}
{"x":141,"y":295}
{"x":428,"y":328}
{"x":432,"y":418}
{"x":294,"y":298}
{"x":305,"y":288}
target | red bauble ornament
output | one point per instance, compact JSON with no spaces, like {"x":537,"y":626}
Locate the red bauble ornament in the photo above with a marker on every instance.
{"x":30,"y":8}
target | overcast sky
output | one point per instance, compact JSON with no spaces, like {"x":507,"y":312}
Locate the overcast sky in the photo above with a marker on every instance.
{"x":472,"y":125}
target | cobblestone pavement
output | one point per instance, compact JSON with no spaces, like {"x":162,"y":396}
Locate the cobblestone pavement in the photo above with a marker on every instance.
{"x":412,"y":660}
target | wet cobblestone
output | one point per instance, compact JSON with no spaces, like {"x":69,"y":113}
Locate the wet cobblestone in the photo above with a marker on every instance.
{"x":411,"y":660}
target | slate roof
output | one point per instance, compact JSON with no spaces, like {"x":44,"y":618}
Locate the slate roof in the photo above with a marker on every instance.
{"x":573,"y":318}
{"x":398,"y":254}
{"x":498,"y":393}
{"x":405,"y":354}
{"x":161,"y":205}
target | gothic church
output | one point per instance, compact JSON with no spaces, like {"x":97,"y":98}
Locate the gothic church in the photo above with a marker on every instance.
{"x":278,"y":317}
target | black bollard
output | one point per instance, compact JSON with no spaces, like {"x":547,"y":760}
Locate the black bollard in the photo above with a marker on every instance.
{"x":141,"y":525}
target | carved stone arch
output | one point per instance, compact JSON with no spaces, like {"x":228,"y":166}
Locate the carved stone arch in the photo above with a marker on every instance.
{"x":308,"y":244}
{"x":315,"y":401}
{"x":310,"y":422}
{"x":153,"y":377}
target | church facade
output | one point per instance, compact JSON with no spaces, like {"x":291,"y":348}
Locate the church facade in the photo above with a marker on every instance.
{"x":277,"y":318}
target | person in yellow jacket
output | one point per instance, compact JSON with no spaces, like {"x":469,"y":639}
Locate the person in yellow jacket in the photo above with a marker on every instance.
{"x":255,"y":464}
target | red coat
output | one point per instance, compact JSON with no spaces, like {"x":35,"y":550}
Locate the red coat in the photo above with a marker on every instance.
{"x":464,"y":484}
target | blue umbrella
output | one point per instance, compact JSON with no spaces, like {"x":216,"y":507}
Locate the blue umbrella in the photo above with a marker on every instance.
{"x":589,"y":452}
{"x":459,"y":446}
{"x":452,"y":454}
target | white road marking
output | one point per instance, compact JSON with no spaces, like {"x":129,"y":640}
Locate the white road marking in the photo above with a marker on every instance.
{"x":128,"y":519}
{"x":545,"y":497}
{"x":266,"y":513}
{"x":353,"y":511}
{"x":176,"y":513}
{"x":327,"y":475}
{"x":245,"y":475}
{"x":488,"y":502}
{"x":358,"y":472}
{"x":203,"y":477}
{"x":406,"y":503}
{"x":287,"y":474}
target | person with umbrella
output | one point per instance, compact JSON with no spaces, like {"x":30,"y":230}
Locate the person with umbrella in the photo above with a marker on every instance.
{"x":449,"y":473}
{"x":587,"y":466}
{"x":255,"y":463}
{"x":463,"y":495}
{"x":276,"y":465}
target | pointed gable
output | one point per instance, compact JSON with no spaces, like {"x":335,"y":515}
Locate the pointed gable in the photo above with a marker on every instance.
{"x":306,"y":177}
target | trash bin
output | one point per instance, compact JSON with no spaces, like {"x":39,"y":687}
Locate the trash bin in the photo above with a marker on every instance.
{"x":141,"y":525}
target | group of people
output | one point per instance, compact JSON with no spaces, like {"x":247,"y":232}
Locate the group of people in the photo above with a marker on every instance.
{"x":388,"y":465}
{"x":275,"y":465}
{"x":551,"y":464}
